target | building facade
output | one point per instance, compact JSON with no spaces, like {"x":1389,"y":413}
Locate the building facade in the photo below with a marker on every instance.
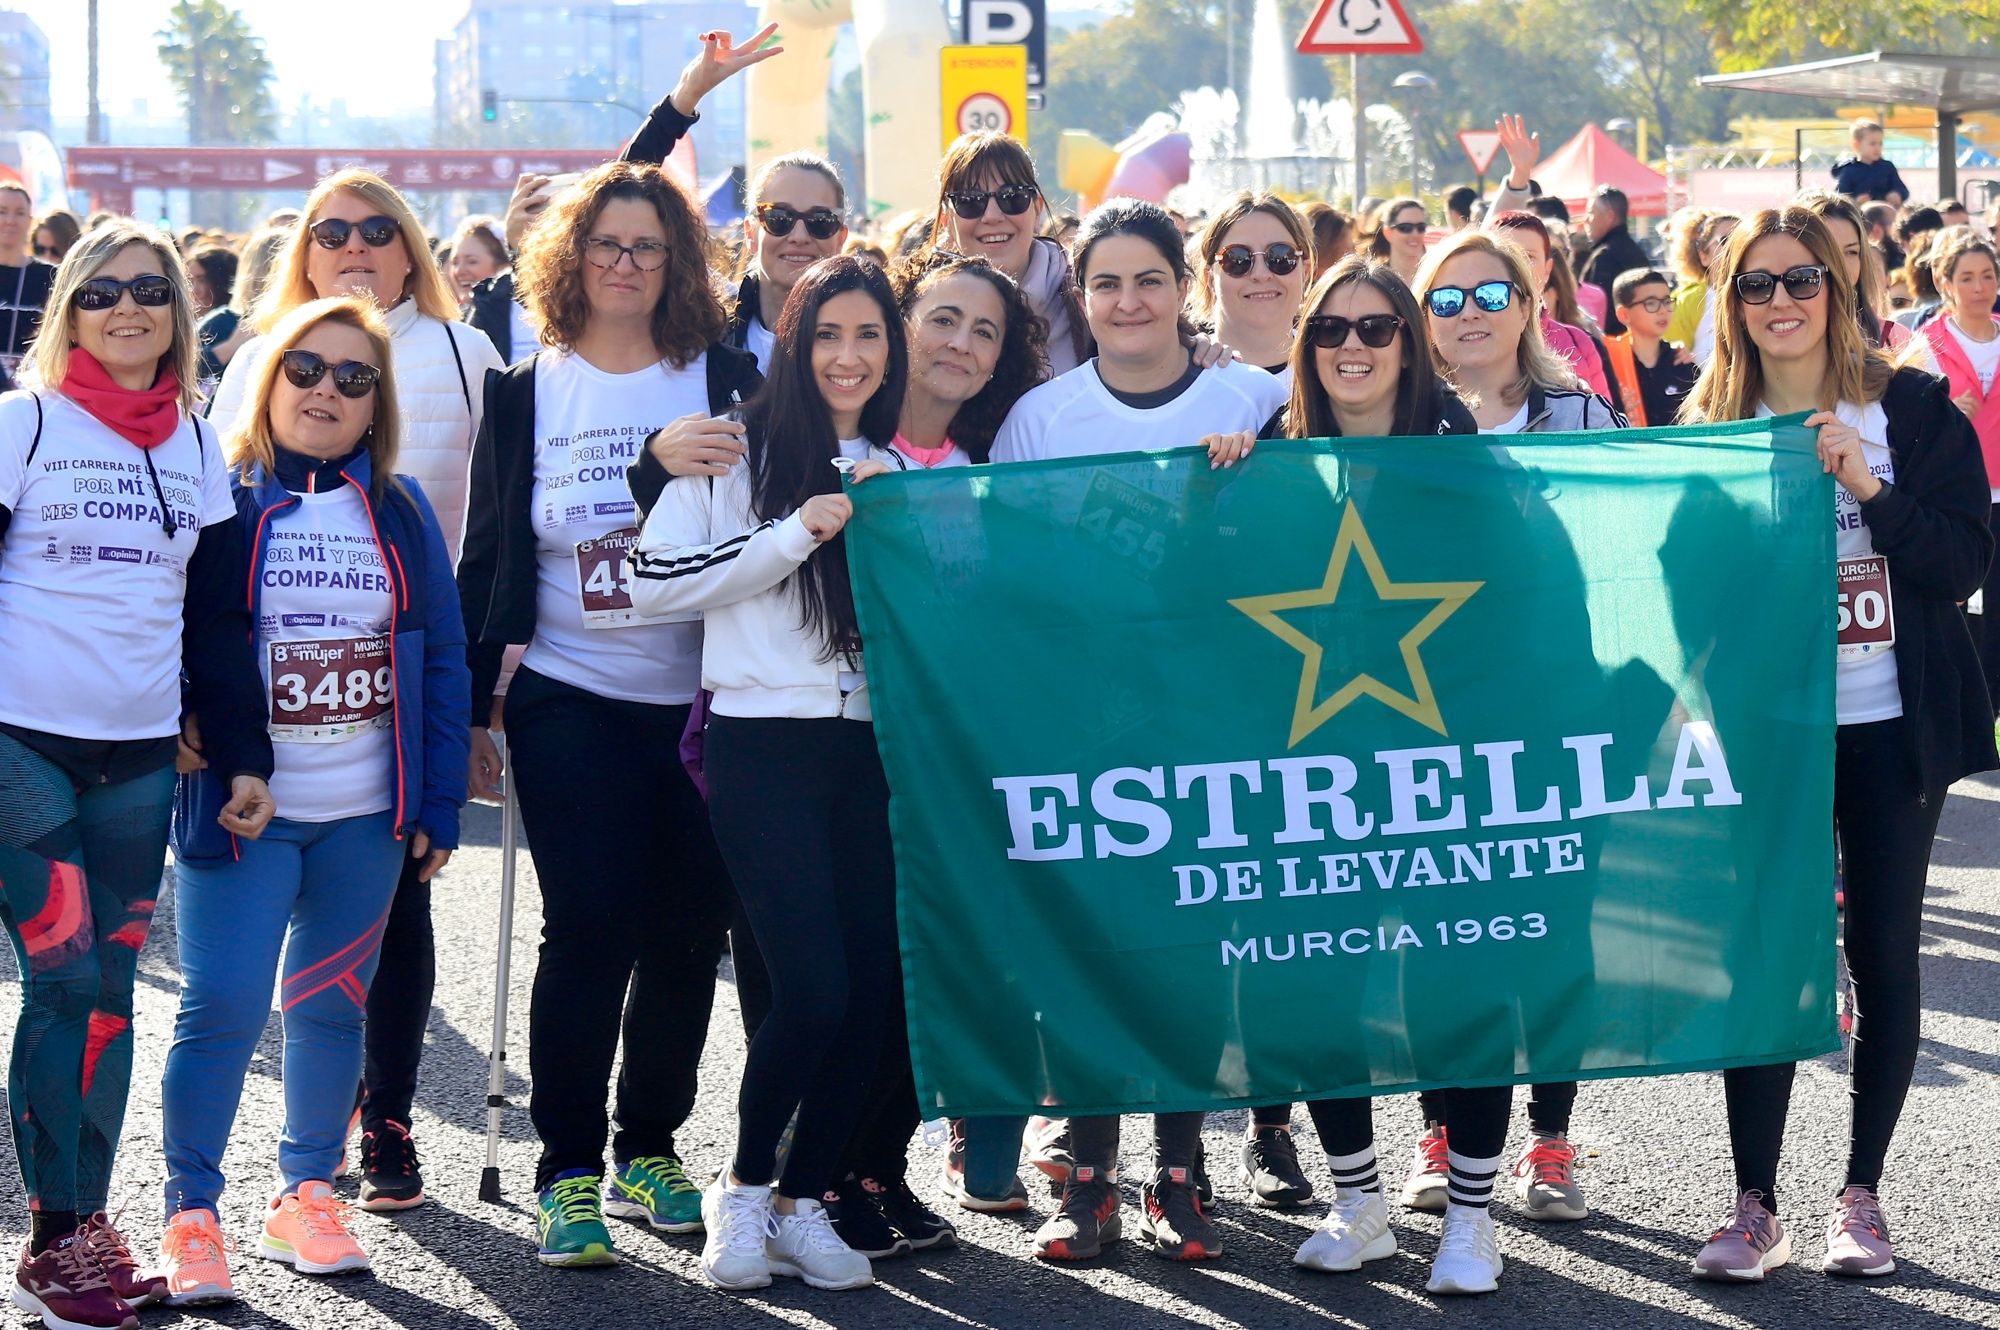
{"x":24,"y":75}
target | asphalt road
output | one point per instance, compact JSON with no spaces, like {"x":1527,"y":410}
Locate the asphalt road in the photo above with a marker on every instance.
{"x":1656,"y":1169}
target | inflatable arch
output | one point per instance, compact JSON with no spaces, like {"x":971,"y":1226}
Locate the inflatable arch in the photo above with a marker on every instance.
{"x":785,"y":102}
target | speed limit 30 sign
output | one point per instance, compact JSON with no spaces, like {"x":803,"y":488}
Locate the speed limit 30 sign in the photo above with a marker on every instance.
{"x":983,"y":89}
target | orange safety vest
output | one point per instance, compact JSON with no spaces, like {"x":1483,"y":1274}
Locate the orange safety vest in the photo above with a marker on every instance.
{"x":1625,"y":369}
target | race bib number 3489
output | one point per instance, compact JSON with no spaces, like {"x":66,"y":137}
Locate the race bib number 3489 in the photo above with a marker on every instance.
{"x":329,"y":691}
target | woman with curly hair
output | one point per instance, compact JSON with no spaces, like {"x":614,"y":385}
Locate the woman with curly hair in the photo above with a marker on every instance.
{"x":635,"y":899}
{"x":975,"y":347}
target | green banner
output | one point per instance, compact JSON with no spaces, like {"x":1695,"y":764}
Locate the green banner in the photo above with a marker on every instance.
{"x":1362,"y":765}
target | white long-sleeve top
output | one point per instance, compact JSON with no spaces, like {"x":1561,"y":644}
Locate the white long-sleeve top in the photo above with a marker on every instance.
{"x":440,"y":414}
{"x":703,"y":549}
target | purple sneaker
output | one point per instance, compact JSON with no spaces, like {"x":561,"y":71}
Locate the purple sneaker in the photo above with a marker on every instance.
{"x":1857,"y":1241}
{"x":1752,"y":1243}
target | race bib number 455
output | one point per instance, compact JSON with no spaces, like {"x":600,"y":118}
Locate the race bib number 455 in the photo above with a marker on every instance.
{"x":604,"y":579}
{"x":329,"y":691}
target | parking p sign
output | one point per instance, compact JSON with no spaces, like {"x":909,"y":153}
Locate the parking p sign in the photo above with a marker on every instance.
{"x":984,"y":89}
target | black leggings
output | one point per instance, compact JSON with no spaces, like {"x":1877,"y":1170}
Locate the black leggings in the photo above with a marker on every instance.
{"x":801,"y":811}
{"x":1886,"y":823}
{"x":1176,"y":1136}
{"x":1549,"y":1107}
{"x":1986,"y":626}
{"x":634,"y":905}
{"x":1475,"y":1120}
{"x":399,"y":1004}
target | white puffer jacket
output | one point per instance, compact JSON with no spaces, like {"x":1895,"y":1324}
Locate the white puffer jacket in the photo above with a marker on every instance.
{"x":439,"y":422}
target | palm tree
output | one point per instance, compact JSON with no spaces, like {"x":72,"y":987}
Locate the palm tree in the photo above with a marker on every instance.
{"x":219,"y":67}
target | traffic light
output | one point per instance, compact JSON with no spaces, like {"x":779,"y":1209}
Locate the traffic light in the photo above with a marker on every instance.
{"x":489,"y":105}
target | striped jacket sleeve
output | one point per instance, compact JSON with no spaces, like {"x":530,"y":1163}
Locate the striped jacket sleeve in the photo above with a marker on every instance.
{"x":682,"y":563}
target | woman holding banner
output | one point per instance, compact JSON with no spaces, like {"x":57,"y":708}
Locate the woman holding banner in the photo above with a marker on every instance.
{"x":634,"y":894}
{"x":1911,"y":509}
{"x":1144,"y":383}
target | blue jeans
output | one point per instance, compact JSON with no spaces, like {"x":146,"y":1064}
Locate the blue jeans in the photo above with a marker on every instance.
{"x":321,"y":892}
{"x":79,"y":869}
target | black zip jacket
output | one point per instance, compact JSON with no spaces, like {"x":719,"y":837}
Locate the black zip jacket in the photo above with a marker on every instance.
{"x":491,"y":307}
{"x":496,"y":569}
{"x":1445,"y":413}
{"x":1931,"y":525}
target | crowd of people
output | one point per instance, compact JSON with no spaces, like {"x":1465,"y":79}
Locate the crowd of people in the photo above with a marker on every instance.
{"x":554,"y":511}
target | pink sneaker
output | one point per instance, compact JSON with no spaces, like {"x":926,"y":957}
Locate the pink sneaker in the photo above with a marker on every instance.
{"x":1857,"y":1241}
{"x":196,"y":1257}
{"x":1746,"y":1248}
{"x":307,"y":1230}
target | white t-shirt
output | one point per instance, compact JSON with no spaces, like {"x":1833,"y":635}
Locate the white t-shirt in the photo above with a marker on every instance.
{"x":1075,"y":415}
{"x":589,"y":426}
{"x":760,"y":342}
{"x":325,"y":611}
{"x":91,"y":587}
{"x":1513,"y":424}
{"x":1865,"y":681}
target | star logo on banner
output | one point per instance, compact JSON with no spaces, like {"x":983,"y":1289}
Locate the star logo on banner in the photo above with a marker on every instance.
{"x":1271,"y":612}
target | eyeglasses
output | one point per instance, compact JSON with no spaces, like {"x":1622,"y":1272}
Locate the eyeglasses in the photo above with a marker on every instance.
{"x":1653,"y":304}
{"x":1801,"y":283}
{"x":149,"y":289}
{"x":1406,"y":228}
{"x":778,"y":220}
{"x":377,"y":231}
{"x":971,"y":203}
{"x":604,"y":252}
{"x":1237,"y":260}
{"x":1329,"y":331}
{"x":47,"y":252}
{"x":351,"y":378}
{"x":1448,"y":302}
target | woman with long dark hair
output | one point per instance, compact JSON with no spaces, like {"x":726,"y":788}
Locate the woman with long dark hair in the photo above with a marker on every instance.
{"x":1912,"y":711}
{"x":796,"y":791}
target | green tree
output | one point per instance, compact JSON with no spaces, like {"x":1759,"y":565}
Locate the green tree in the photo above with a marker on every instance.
{"x":219,"y":68}
{"x":1754,"y":33}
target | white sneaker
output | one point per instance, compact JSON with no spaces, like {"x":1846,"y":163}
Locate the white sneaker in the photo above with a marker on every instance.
{"x":738,"y":1219}
{"x":804,"y":1246}
{"x":1356,"y":1229}
{"x":1468,"y":1259}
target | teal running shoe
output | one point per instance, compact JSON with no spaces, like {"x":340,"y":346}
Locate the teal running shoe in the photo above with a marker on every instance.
{"x":655,"y":1188}
{"x":569,"y":1215}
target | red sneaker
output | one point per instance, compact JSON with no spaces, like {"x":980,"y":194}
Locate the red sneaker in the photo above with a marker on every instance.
{"x":65,"y":1287}
{"x":115,"y":1258}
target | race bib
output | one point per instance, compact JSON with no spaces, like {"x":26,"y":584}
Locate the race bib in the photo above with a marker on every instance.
{"x":1867,"y":611}
{"x":329,"y":691}
{"x":604,"y":580}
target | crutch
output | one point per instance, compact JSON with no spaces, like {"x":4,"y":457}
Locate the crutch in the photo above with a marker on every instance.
{"x":496,"y":1059}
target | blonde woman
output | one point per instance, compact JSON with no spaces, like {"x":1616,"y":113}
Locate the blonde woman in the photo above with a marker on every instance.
{"x":360,"y":643}
{"x":358,"y":236}
{"x":1695,"y":252}
{"x":108,"y":601}
{"x":224,"y":330}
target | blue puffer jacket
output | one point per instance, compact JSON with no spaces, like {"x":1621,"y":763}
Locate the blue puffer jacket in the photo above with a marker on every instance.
{"x":427,"y":635}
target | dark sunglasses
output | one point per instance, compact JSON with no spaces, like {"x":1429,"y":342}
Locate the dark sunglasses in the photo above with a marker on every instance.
{"x":105,"y":292}
{"x":1237,"y":260}
{"x":971,"y":203}
{"x":332,"y":232}
{"x":351,"y":378}
{"x":47,"y":252}
{"x":1329,"y":331}
{"x":778,"y":220}
{"x":1448,"y":302}
{"x":1801,"y":283}
{"x":1406,"y":228}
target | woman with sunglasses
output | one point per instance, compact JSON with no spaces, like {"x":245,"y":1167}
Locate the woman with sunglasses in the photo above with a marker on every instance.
{"x":635,"y":899}
{"x":1963,"y":348}
{"x":1255,"y":253}
{"x":362,"y":650}
{"x":1567,"y":339}
{"x":357,"y":236}
{"x":121,"y":568}
{"x":1912,"y":709}
{"x":55,"y":231}
{"x":796,"y":790}
{"x":795,"y":216}
{"x":1395,"y":236}
{"x":1144,"y":388}
{"x":1864,"y":271}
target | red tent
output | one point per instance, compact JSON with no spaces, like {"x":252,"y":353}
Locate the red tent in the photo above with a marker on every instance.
{"x":1573,"y":172}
